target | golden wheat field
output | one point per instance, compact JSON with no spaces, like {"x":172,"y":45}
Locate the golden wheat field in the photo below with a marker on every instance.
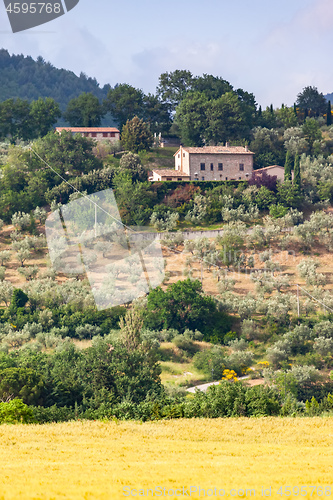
{"x":115,"y":460}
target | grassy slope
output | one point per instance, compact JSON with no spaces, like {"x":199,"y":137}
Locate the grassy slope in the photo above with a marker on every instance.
{"x":159,"y":158}
{"x":96,"y":460}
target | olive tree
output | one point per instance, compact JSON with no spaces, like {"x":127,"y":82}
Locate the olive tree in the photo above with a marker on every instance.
{"x":21,"y":220}
{"x":40,"y":215}
{"x":4,"y":257}
{"x":307,"y":270}
{"x":164,"y":221}
{"x":199,"y":210}
{"x":323,"y":346}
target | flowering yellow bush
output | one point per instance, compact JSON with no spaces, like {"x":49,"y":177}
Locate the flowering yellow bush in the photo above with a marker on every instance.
{"x":263,"y":364}
{"x":229,"y":375}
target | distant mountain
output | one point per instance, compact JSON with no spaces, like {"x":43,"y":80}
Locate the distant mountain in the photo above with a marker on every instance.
{"x":28,"y":79}
{"x":329,"y":97}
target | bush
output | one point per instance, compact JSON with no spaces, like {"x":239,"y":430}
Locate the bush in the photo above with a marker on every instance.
{"x":249,"y":329}
{"x":210,"y":361}
{"x":21,"y":220}
{"x":189,"y":334}
{"x":277,"y":211}
{"x":184,"y":343}
{"x":262,"y":401}
{"x":164,"y":221}
{"x":239,"y":361}
{"x":15,"y":411}
{"x":53,"y":413}
{"x":4,"y":257}
{"x":323,"y":345}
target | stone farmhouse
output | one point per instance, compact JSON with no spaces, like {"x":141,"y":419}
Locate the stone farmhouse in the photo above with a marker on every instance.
{"x":98,"y":133}
{"x":210,"y":163}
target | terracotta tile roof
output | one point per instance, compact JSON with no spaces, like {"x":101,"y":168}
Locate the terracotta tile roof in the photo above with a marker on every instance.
{"x":88,"y":129}
{"x":217,"y":150}
{"x":171,"y":173}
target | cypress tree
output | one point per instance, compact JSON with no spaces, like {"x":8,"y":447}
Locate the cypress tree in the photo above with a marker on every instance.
{"x":297,"y":172}
{"x":287,"y":167}
{"x":329,"y":114}
{"x":295,"y":108}
{"x":259,"y":111}
{"x":271,"y":109}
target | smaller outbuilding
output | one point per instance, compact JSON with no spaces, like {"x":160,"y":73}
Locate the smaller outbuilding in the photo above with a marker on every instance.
{"x":273,"y":170}
{"x":169,"y":175}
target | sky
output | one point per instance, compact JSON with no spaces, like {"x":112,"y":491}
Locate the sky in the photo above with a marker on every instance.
{"x":272,"y":49}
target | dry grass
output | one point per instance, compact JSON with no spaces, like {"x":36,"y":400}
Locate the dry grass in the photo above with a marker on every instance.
{"x":180,"y":374}
{"x":244,"y":285}
{"x":95,"y":460}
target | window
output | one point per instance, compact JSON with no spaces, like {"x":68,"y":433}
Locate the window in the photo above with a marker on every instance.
{"x":202,"y":166}
{"x":220,"y":176}
{"x":179,"y":156}
{"x":183,"y":155}
{"x":169,"y":179}
{"x":241,"y":167}
{"x":212,"y":166}
{"x":239,"y":178}
{"x":202,"y":178}
{"x":220,"y":166}
{"x":105,"y":134}
{"x":113,"y":134}
{"x":93,"y":134}
{"x":226,"y":178}
{"x":179,"y":179}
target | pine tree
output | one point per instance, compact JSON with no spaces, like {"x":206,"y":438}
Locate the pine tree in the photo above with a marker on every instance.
{"x":297,"y":172}
{"x":329,"y":114}
{"x":287,"y":167}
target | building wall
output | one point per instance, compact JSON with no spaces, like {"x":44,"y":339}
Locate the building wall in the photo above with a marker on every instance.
{"x":111,"y":136}
{"x":182,"y":161}
{"x":231,"y":166}
{"x":190,"y":163}
{"x":156,"y":177}
{"x":279,"y":172}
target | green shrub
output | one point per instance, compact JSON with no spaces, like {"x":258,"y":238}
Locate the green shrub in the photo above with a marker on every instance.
{"x":262,"y":401}
{"x":16,"y":411}
{"x":278,"y":211}
{"x":210,"y":361}
{"x":184,"y":343}
{"x":53,"y":413}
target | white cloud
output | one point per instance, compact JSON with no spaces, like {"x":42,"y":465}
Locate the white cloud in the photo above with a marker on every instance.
{"x":212,"y":57}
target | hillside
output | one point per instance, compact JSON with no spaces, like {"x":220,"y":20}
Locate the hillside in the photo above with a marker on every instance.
{"x":28,"y":79}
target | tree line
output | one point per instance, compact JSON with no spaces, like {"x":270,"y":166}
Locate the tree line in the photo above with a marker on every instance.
{"x":200,"y":110}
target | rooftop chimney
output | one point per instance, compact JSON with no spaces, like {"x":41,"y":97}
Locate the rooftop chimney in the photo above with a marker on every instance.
{"x":227,"y":144}
{"x":246,"y":148}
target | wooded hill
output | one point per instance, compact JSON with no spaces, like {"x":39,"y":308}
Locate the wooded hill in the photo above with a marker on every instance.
{"x":28,"y":79}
